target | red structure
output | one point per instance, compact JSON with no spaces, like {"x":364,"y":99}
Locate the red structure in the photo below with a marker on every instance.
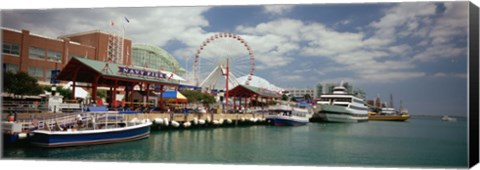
{"x":250,"y":93}
{"x":38,"y":55}
{"x":114,"y":76}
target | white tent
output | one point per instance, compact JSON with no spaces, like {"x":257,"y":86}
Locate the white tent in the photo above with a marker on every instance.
{"x":79,"y":92}
{"x":260,"y":82}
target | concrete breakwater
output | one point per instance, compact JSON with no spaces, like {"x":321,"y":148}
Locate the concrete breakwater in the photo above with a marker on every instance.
{"x":164,"y":120}
{"x":170,"y":120}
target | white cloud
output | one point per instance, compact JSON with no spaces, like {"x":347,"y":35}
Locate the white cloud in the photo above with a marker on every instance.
{"x":149,"y":25}
{"x":408,"y":14}
{"x":432,"y":53}
{"x":450,"y":75}
{"x":278,"y":9}
{"x":400,"y":49}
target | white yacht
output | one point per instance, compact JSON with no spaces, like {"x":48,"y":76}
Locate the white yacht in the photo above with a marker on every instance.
{"x":341,"y":106}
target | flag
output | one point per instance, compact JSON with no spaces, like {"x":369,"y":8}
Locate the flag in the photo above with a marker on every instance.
{"x":112,"y":23}
{"x":126,"y":19}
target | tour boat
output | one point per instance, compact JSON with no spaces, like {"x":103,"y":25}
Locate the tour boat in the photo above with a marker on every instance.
{"x":448,"y":118}
{"x":341,"y":107}
{"x":394,"y":117}
{"x":284,"y":115}
{"x":96,"y":128}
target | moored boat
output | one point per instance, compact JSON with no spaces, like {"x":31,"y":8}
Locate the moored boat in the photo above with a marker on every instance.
{"x":284,"y":115}
{"x":397,"y":117}
{"x":97,"y":130}
{"x":341,"y":107}
{"x":389,"y":113}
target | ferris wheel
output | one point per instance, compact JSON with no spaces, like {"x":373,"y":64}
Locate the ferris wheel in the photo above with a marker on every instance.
{"x":215,"y":54}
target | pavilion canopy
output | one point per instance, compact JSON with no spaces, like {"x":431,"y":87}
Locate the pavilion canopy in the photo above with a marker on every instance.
{"x":174,"y":96}
{"x":86,"y":70}
{"x":246,"y":91}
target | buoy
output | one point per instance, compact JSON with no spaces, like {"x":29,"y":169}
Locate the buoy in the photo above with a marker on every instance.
{"x":217,"y":122}
{"x":242,"y":119}
{"x":186,"y":124}
{"x":134,"y":120}
{"x":158,"y":121}
{"x":201,"y":122}
{"x":195,"y":121}
{"x":22,"y":135}
{"x":253,"y":120}
{"x":165,"y":121}
{"x":207,"y":120}
{"x":175,"y":123}
{"x":229,"y":121}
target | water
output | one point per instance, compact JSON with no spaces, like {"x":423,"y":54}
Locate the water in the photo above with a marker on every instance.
{"x":415,"y":143}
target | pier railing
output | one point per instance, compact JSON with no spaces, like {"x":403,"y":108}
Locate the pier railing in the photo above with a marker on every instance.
{"x":25,"y":106}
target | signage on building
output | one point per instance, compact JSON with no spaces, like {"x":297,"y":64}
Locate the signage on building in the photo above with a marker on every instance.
{"x":139,"y":72}
{"x":53,"y":77}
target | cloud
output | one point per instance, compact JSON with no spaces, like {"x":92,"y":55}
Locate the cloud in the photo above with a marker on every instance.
{"x":149,"y":25}
{"x":385,"y":50}
{"x":404,"y":15}
{"x":400,"y":49}
{"x":278,"y":9}
{"x":450,"y":75}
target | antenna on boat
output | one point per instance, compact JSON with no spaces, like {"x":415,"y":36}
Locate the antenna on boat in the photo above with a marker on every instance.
{"x":391,"y":100}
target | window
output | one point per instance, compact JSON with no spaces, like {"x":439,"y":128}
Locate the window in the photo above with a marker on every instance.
{"x":10,"y":48}
{"x":10,"y":67}
{"x":54,"y":56}
{"x":36,"y":72}
{"x":37,"y":53}
{"x":75,"y":55}
{"x":48,"y":74}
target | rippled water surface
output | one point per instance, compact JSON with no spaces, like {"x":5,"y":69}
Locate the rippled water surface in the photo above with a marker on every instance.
{"x":415,"y":143}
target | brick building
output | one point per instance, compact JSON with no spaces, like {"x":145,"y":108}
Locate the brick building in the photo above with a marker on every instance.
{"x":37,"y":55}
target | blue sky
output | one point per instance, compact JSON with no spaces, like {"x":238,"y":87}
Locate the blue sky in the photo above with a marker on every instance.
{"x":415,"y":50}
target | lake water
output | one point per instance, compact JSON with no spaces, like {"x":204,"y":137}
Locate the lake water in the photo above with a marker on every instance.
{"x":414,"y":143}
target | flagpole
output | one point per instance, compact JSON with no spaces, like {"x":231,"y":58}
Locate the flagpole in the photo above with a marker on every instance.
{"x":123,"y":41}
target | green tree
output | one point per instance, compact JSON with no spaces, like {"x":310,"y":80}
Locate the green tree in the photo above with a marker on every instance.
{"x":194,"y":96}
{"x":207,"y":100}
{"x":101,"y":93}
{"x":21,"y":84}
{"x":8,"y":79}
{"x":65,"y":92}
{"x":284,"y":97}
{"x":293,"y":99}
{"x":307,"y":97}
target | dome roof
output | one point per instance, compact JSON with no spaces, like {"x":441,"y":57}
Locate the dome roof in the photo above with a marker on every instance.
{"x":160,"y":52}
{"x":259,"y":82}
{"x":157,"y":50}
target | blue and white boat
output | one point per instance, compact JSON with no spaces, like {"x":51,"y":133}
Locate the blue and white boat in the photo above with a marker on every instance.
{"x":93,"y":128}
{"x":284,"y":115}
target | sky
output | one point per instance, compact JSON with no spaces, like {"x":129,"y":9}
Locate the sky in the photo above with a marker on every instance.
{"x":416,"y":51}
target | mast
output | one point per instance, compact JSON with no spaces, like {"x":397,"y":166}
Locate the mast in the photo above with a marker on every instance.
{"x":391,"y":100}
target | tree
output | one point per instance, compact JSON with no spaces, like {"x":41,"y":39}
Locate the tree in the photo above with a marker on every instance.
{"x":21,"y":84}
{"x":293,"y":99}
{"x":65,"y":92}
{"x":307,"y":97}
{"x":284,"y":97}
{"x":8,"y":79}
{"x":207,"y":100}
{"x":101,"y":93}
{"x":194,"y":96}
